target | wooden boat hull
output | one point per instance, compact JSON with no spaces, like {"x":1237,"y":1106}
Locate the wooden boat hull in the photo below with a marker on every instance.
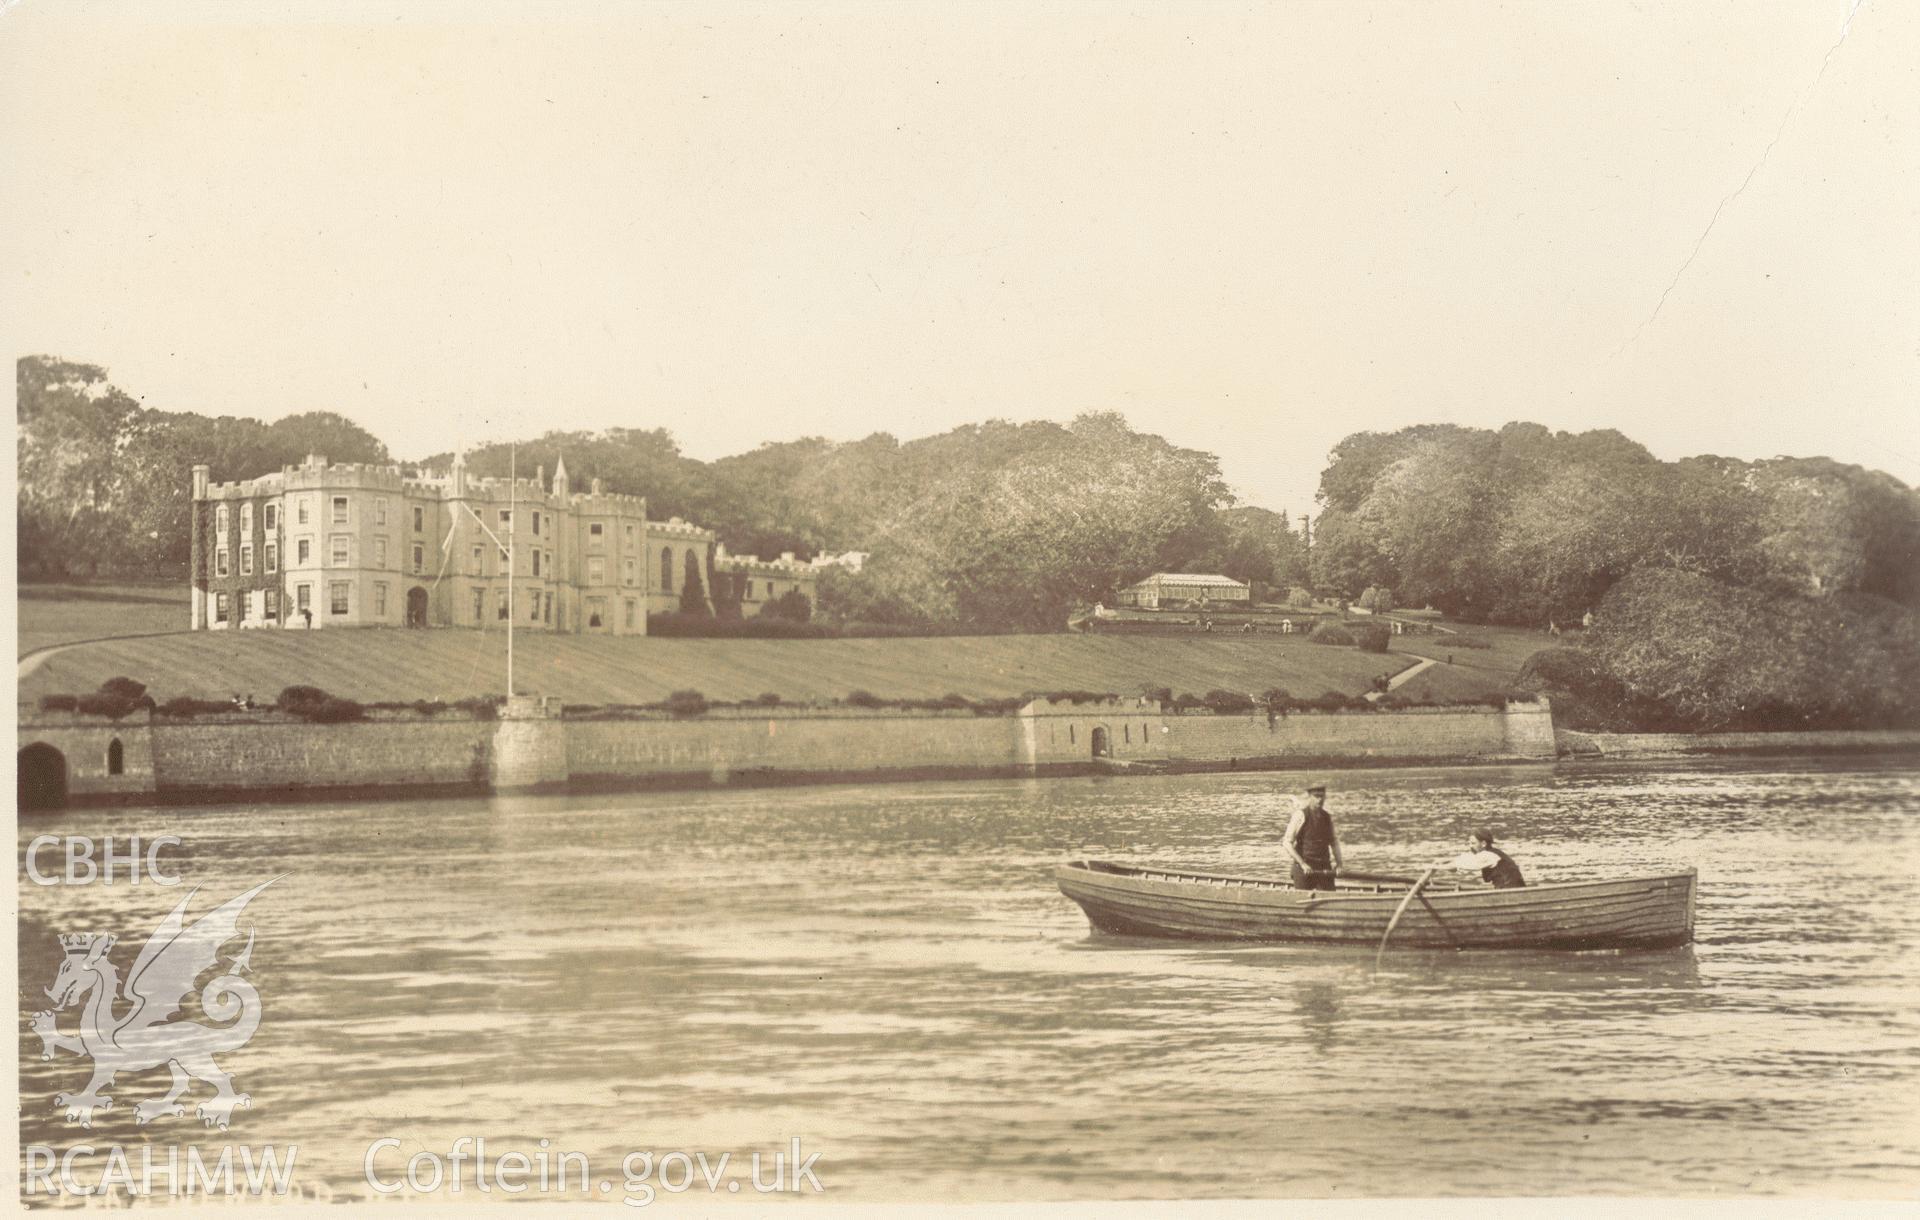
{"x":1634,"y":912}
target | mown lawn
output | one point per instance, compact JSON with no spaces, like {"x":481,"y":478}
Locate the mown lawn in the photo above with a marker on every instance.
{"x":57,"y":614}
{"x":379,"y":665}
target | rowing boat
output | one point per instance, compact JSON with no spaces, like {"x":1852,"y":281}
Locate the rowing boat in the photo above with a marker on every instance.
{"x":1632,"y":912}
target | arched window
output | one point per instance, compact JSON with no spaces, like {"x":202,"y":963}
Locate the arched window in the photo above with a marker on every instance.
{"x":693,"y":565}
{"x":116,"y":757}
{"x":666,"y":570}
{"x":1126,"y":733}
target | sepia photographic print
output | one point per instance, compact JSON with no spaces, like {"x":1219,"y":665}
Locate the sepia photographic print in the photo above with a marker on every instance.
{"x":1189,"y":607}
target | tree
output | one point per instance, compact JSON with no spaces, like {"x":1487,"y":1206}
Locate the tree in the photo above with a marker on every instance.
{"x":693,"y":594}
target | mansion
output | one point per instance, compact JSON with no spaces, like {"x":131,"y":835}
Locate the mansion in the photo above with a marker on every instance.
{"x":360,"y":545}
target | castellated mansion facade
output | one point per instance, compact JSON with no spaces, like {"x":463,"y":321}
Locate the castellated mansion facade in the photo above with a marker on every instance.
{"x":324,"y":545}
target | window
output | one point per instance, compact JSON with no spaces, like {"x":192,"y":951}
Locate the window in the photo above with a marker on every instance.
{"x":550,"y":568}
{"x":536,"y":563}
{"x":272,"y":515}
{"x":596,"y":607}
{"x":339,"y":510}
{"x":271,"y":607}
{"x":596,"y":571}
{"x":380,"y":511}
{"x":379,"y":600}
{"x":246,"y":559}
{"x":339,"y":544}
{"x":626,"y":571}
{"x":419,"y":558}
{"x":479,"y":606}
{"x":596,"y":534}
{"x":476,"y":563}
{"x":300,"y":509}
{"x":116,"y":757}
{"x":693,"y":567}
{"x":379,"y":552}
{"x":501,"y":609}
{"x":337,"y":597}
{"x":303,"y":552}
{"x":1069,"y":734}
{"x":666,"y":571}
{"x":1126,"y":733}
{"x":506,"y":517}
{"x":533,"y":610}
{"x":222,"y":606}
{"x":631,"y":613}
{"x":246,"y":517}
{"x":220,"y":519}
{"x":419,"y":519}
{"x":303,"y":597}
{"x":629,"y":533}
{"x":546,"y":611}
{"x":220,"y":562}
{"x":536,"y":523}
{"x":273,"y":558}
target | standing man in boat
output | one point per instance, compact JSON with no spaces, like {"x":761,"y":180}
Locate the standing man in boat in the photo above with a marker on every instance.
{"x":1312,"y":843}
{"x":1496,"y":867}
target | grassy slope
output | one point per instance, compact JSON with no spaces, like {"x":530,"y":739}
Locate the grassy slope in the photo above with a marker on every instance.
{"x":58,"y":614}
{"x":373,"y":665}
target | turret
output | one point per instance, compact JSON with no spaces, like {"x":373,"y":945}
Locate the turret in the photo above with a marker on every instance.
{"x":201,"y":473}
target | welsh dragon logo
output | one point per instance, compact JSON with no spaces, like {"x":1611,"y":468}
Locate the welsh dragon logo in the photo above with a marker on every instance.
{"x":162,"y":978}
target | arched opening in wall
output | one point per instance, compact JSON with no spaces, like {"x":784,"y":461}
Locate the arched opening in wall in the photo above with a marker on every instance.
{"x":1100,"y":749}
{"x":116,"y":758}
{"x":43,"y":777}
{"x":666,"y":571}
{"x":416,"y":607}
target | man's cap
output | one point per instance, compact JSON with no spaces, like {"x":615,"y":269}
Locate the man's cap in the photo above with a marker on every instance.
{"x":1320,"y":788}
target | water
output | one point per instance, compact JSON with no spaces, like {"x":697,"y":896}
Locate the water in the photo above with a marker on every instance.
{"x":888,"y":974}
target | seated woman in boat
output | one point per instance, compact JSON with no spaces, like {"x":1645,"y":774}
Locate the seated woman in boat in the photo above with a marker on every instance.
{"x":1495,"y":866}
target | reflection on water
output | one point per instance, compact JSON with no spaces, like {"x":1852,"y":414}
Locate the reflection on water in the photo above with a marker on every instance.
{"x":888,"y":973}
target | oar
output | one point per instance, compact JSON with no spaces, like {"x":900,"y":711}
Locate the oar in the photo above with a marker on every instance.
{"x":1401,"y":910}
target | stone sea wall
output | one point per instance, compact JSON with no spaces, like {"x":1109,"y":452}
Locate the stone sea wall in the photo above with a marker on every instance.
{"x":534,"y":746}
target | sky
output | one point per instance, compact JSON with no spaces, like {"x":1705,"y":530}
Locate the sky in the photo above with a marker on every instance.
{"x":1253,"y":229}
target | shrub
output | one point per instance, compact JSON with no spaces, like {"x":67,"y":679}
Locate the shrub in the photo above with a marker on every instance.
{"x":1275,"y":698}
{"x":1370,"y":637}
{"x":1300,"y":596}
{"x":484,"y":707}
{"x":1186,"y":700}
{"x":1162,"y":693}
{"x":863,"y":698}
{"x":59,"y":703}
{"x":293,"y":698}
{"x":768,"y":699}
{"x":125,"y":688}
{"x":1227,"y":702}
{"x":791,"y":605}
{"x":333,"y":711}
{"x":1330,"y":633}
{"x":686,"y":703}
{"x":955,"y":701}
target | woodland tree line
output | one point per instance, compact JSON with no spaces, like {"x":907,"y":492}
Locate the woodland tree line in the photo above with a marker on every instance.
{"x":1725,"y":592}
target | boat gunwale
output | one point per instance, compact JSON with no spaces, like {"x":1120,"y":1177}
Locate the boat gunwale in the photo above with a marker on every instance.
{"x":1163,"y":876}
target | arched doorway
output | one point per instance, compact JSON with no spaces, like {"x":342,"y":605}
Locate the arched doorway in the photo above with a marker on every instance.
{"x":416,"y":607}
{"x":43,"y":777}
{"x":1100,"y":749}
